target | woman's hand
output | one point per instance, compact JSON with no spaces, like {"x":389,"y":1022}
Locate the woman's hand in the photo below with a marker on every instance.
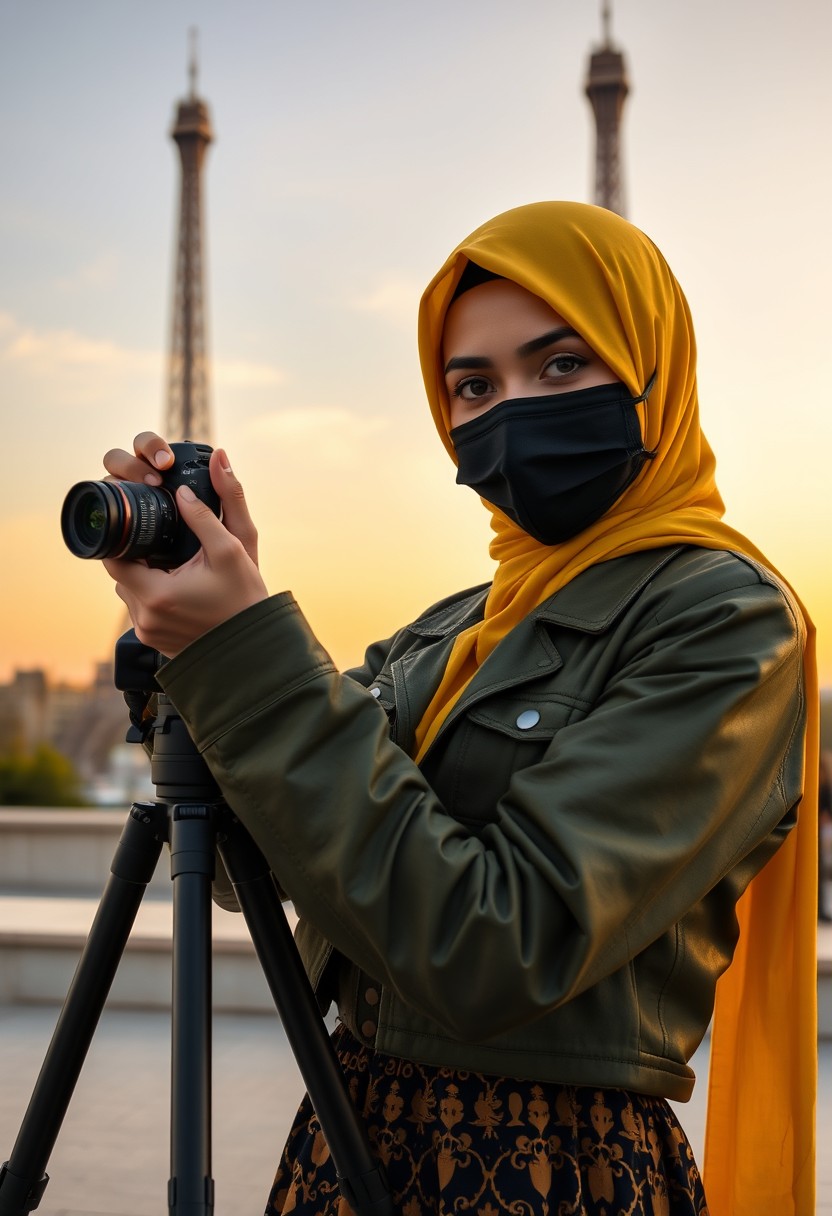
{"x":171,"y":609}
{"x":151,"y":453}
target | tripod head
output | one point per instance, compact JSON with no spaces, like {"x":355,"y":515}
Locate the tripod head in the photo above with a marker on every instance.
{"x":176,"y":767}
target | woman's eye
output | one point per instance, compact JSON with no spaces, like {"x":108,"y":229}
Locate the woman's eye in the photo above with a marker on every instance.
{"x":473,"y":388}
{"x":563,"y":365}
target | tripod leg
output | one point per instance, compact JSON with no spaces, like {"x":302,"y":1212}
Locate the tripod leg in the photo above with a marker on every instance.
{"x":192,"y":842}
{"x":361,"y":1178}
{"x":23,"y":1178}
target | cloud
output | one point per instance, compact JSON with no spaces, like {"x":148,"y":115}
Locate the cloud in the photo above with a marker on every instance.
{"x":102,"y":272}
{"x":68,"y":357}
{"x":49,"y":351}
{"x":397,"y":300}
{"x":334,"y":436}
{"x":238,"y":373}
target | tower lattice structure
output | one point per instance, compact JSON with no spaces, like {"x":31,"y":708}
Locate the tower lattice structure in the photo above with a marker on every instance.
{"x":188,"y":414}
{"x":607,"y":88}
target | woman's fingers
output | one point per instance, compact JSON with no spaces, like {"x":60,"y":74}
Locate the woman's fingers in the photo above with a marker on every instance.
{"x":151,"y":456}
{"x":235,"y":513}
{"x":125,"y":467}
{"x":154,"y":449}
{"x":171,"y":609}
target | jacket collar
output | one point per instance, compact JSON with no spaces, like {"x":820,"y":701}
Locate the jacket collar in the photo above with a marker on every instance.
{"x":465,"y":609}
{"x":596,"y":597}
{"x":591,"y":602}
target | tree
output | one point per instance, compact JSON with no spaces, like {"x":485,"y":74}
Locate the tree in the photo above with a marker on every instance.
{"x":44,"y":777}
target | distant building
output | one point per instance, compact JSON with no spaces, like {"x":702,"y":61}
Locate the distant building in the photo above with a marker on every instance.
{"x":188,"y":411}
{"x":89,"y":725}
{"x":24,"y":711}
{"x":607,"y":88}
{"x":84,"y":724}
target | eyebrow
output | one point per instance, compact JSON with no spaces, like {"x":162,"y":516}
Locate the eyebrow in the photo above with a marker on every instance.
{"x":460,"y":362}
{"x":555,"y":335}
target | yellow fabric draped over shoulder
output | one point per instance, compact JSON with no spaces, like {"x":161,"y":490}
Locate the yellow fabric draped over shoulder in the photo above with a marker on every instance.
{"x":613,"y":286}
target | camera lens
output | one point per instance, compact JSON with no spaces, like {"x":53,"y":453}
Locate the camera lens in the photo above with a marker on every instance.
{"x":118,"y":519}
{"x":133,"y":520}
{"x":90,"y":518}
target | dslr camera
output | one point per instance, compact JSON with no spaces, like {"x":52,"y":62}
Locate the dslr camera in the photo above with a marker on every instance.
{"x":132,"y":520}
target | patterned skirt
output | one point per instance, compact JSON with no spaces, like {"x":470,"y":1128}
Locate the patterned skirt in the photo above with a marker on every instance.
{"x":454,"y":1141}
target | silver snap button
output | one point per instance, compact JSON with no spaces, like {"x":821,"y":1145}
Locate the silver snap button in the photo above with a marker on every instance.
{"x":375,"y":691}
{"x":528,"y":719}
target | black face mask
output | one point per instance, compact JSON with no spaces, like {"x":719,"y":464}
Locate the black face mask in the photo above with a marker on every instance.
{"x":554,"y":464}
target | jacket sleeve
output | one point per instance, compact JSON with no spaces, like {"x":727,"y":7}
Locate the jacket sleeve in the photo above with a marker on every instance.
{"x":222,"y":889}
{"x":684,"y":774}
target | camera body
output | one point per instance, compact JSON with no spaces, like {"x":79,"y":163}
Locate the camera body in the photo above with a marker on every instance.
{"x":132,"y":520}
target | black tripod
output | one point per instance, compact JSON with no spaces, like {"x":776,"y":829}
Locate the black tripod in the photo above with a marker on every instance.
{"x":192,"y":818}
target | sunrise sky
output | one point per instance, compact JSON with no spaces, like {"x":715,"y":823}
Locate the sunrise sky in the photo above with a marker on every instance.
{"x":357,"y":142}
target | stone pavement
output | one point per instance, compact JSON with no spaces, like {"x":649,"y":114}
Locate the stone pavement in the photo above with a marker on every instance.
{"x":111,"y":1158}
{"x":112,"y":1155}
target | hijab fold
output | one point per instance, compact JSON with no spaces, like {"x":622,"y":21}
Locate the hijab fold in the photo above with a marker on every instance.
{"x":612,"y":285}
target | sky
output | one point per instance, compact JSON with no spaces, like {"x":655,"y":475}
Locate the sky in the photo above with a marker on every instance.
{"x":357,"y":142}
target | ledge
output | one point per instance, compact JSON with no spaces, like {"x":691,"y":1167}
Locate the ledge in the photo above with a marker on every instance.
{"x":38,"y":921}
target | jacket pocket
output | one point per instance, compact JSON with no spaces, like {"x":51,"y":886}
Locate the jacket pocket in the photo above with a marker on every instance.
{"x":495,"y":739}
{"x":526,"y":718}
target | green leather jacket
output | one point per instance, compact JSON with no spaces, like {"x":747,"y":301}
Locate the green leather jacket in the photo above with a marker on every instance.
{"x":551,"y":895}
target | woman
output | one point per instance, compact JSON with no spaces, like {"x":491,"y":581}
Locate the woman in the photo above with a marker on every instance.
{"x":517,"y":835}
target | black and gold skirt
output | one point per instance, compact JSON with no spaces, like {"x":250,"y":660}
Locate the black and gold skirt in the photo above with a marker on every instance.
{"x":454,"y":1141}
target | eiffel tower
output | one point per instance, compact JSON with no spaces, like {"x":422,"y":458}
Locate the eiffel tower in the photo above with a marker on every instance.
{"x":607,"y":88}
{"x":187,"y":410}
{"x":188,"y":413}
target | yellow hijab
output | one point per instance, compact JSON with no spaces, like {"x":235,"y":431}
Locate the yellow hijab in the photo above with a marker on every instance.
{"x":612,"y":285}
